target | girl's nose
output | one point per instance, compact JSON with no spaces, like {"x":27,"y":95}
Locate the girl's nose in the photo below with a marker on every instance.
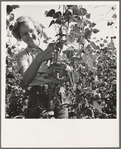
{"x":29,"y":35}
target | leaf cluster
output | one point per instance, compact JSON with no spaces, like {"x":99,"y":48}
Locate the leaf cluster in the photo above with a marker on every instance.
{"x":89,"y":91}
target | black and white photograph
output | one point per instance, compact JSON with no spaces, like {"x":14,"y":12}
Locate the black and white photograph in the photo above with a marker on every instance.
{"x":61,"y":61}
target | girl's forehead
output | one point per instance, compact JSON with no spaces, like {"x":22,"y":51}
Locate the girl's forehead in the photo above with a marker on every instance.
{"x":28,"y":23}
{"x":26,"y":26}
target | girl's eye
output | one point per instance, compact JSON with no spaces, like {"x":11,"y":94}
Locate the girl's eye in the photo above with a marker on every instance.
{"x":24,"y":34}
{"x":31,"y":30}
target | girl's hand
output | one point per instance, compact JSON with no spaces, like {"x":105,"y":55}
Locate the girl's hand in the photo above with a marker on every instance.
{"x":48,"y":53}
{"x":51,"y":47}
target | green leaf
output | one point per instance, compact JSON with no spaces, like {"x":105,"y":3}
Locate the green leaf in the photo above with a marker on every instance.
{"x":95,"y":31}
{"x":46,"y":12}
{"x":88,"y":15}
{"x":45,"y":41}
{"x":87,"y":33}
{"x":97,"y":106}
{"x":52,"y":22}
{"x":59,"y":45}
{"x":76,"y":12}
{"x":113,"y":8}
{"x":102,"y":45}
{"x":9,"y":51}
{"x":105,"y":41}
{"x":15,"y":6}
{"x":73,"y":6}
{"x":69,"y":6}
{"x":93,"y":45}
{"x":79,"y":21}
{"x":81,"y":40}
{"x":82,"y":11}
{"x":76,"y":32}
{"x":58,"y":21}
{"x":10,"y":76}
{"x":114,"y":82}
{"x":90,"y":112}
{"x":75,"y":9}
{"x":110,"y":23}
{"x":92,"y":24}
{"x":57,"y":15}
{"x":41,"y":25}
{"x":114,"y":16}
{"x":76,"y":76}
{"x":51,"y":13}
{"x":70,"y":39}
{"x":11,"y":17}
{"x":7,"y":23}
{"x":70,"y":54}
{"x":90,"y":62}
{"x":67,"y":15}
{"x":58,"y":34}
{"x":9,"y":9}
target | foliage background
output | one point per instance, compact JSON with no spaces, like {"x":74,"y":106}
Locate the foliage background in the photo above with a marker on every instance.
{"x":95,"y":88}
{"x":77,"y":133}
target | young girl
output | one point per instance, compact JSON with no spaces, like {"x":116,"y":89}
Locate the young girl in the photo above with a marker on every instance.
{"x":32,"y":64}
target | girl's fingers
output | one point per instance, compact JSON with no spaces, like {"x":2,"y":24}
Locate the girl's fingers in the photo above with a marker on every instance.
{"x":52,"y":44}
{"x":48,"y":57}
{"x":51,"y":47}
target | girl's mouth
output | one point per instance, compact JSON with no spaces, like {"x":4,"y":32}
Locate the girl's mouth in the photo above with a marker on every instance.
{"x":31,"y":40}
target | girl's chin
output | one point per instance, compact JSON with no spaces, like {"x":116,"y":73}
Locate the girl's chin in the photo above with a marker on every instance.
{"x":33,"y":44}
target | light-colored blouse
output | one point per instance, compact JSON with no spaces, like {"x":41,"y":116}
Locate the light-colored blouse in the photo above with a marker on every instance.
{"x":25,"y":58}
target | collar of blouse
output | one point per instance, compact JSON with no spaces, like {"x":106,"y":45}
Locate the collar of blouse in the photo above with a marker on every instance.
{"x":41,"y":47}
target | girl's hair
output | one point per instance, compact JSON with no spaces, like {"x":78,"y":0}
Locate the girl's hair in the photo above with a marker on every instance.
{"x":19,"y":21}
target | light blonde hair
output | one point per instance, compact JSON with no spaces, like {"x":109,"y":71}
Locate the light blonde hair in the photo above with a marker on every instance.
{"x":19,"y":21}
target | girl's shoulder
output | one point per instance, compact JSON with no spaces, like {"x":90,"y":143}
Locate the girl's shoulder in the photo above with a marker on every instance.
{"x":22,"y":53}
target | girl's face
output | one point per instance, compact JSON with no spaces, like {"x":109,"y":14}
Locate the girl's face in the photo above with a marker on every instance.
{"x":29,"y":34}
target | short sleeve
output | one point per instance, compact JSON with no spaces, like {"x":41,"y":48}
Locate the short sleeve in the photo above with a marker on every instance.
{"x":22,"y":60}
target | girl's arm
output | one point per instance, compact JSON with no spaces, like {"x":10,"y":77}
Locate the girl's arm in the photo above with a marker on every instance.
{"x":29,"y":73}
